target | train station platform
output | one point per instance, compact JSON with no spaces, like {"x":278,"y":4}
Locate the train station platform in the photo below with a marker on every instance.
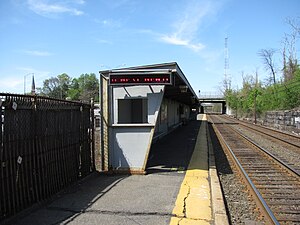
{"x":181,"y":187}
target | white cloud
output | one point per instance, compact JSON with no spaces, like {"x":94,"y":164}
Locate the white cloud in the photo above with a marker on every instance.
{"x":178,"y":41}
{"x":37,"y":53}
{"x":186,"y":28}
{"x":174,"y":40}
{"x":43,"y":8}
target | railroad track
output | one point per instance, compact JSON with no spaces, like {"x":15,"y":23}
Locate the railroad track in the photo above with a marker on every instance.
{"x":284,"y":146}
{"x":278,"y":135}
{"x":272,"y":183}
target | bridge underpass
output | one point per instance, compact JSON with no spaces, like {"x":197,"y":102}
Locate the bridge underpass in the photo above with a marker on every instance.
{"x":212,"y":103}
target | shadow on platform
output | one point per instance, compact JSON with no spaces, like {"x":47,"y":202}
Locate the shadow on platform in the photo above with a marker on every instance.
{"x":70,"y":203}
{"x":106,"y":196}
{"x":173,"y":152}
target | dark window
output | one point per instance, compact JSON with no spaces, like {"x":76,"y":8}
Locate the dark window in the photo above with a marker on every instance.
{"x":133,"y":110}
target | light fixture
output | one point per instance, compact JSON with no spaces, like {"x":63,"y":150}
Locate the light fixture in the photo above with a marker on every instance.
{"x":183,"y":88}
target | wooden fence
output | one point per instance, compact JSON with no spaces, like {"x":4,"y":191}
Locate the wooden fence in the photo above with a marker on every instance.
{"x":45,"y":145}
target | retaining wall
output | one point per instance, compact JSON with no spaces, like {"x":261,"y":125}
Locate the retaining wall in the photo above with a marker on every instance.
{"x":288,"y":120}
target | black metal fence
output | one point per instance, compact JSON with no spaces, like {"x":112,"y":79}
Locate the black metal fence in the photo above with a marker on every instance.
{"x":45,"y":145}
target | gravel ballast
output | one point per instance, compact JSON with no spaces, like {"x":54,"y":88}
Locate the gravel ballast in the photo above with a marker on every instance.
{"x":287,"y":154}
{"x":240,"y":208}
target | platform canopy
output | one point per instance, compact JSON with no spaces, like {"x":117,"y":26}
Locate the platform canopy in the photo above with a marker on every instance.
{"x":179,"y":90}
{"x":138,"y":106}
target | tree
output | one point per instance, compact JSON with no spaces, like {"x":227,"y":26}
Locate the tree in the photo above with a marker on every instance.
{"x":51,"y":87}
{"x":280,"y":95}
{"x":232,"y":100}
{"x":64,"y":87}
{"x":267,"y":58}
{"x":56,"y":87}
{"x":84,"y":88}
{"x":290,"y":64}
{"x":74,"y":91}
{"x":64,"y":82}
{"x":291,"y":91}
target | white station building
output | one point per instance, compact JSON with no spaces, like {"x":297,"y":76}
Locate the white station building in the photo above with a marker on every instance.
{"x":138,"y":106}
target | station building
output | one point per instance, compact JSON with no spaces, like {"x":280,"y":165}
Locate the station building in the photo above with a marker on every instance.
{"x":139,"y":105}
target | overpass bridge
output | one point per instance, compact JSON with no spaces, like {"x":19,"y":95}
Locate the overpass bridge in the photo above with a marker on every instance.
{"x":208,"y":99}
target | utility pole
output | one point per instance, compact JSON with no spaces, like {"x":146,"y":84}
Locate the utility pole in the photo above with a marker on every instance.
{"x":226,"y":65}
{"x":25,"y":81}
{"x":255,"y":95}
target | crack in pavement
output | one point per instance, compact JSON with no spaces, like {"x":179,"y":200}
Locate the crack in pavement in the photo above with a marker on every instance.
{"x":184,"y":200}
{"x":121,"y":213}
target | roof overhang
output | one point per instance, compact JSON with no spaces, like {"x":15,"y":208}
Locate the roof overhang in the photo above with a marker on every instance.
{"x":180,"y":90}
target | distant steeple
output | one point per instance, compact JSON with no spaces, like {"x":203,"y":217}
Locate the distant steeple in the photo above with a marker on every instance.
{"x":33,"y":86}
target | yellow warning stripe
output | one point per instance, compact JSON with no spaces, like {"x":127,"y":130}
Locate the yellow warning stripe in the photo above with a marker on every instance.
{"x":193,"y":205}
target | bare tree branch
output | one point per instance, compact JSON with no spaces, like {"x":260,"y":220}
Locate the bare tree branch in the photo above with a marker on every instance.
{"x":289,"y":42}
{"x":267,"y":58}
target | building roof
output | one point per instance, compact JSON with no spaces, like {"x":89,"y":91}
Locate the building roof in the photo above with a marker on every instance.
{"x":180,"y":91}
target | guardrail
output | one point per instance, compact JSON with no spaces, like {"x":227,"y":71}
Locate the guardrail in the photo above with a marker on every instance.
{"x":209,"y":95}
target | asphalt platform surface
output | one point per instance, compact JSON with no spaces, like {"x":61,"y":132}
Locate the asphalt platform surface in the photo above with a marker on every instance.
{"x":124,"y":199}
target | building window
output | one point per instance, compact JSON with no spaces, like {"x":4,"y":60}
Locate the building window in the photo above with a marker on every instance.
{"x":132,"y":111}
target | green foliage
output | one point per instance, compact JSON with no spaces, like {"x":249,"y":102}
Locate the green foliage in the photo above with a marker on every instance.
{"x":64,"y":87}
{"x":284,"y":95}
{"x":280,"y":96}
{"x":232,"y":98}
{"x":56,"y":87}
{"x":74,"y":92}
{"x":84,"y":88}
{"x":292,"y":91}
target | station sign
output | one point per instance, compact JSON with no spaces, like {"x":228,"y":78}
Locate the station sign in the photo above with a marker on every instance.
{"x":140,"y":79}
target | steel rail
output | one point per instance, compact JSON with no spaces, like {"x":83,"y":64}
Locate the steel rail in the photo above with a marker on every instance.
{"x":282,"y":163}
{"x":271,"y":218}
{"x":248,"y":125}
{"x":273,"y":136}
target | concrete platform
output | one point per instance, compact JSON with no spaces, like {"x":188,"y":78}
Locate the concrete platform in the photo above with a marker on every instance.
{"x":181,"y":187}
{"x":200,"y":199}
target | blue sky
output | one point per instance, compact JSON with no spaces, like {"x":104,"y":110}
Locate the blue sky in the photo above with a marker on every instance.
{"x":51,"y":37}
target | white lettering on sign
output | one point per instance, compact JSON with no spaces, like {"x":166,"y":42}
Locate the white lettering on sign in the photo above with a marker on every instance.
{"x":19,"y":160}
{"x":14,"y":105}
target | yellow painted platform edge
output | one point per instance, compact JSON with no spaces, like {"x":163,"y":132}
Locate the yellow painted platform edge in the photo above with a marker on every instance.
{"x":193,"y":176}
{"x":218,"y":206}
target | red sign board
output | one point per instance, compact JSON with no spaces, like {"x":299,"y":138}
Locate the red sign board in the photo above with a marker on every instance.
{"x":140,"y":79}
